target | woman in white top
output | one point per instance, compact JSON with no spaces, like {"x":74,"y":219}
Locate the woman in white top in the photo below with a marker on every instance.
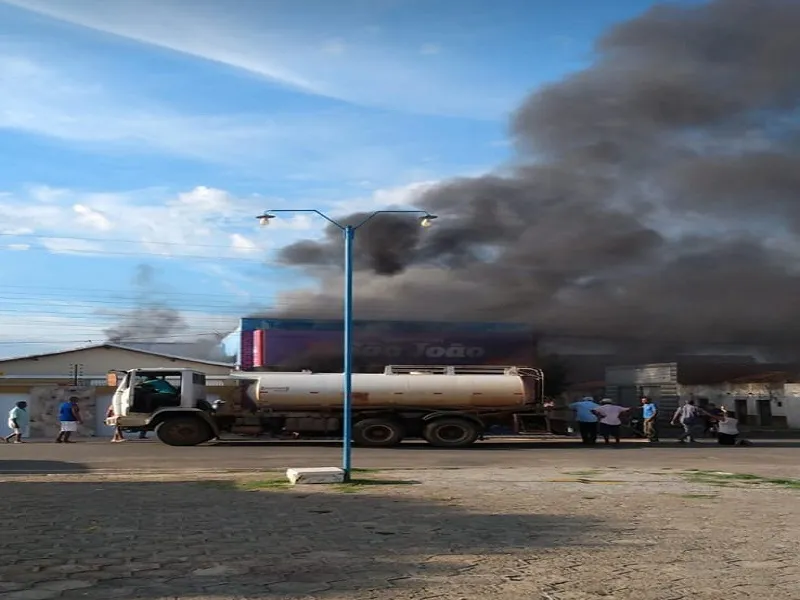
{"x":727,"y":428}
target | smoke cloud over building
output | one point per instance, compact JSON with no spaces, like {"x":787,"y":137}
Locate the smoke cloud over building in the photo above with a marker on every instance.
{"x":655,"y":195}
{"x":153,"y":325}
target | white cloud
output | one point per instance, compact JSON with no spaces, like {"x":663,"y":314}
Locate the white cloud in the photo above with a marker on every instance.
{"x":401,"y":197}
{"x":44,"y":101}
{"x":383,"y":75}
{"x":200,"y":223}
{"x":92,"y":218}
{"x":70,"y":246}
{"x":333,"y":145}
{"x":242,"y":244}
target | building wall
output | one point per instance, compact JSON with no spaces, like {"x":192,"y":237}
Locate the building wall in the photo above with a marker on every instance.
{"x":97,"y":361}
{"x":659,"y":381}
{"x":43,"y":403}
{"x":791,"y":404}
{"x":783,"y":407}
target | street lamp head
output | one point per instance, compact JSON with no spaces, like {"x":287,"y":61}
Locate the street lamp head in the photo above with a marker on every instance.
{"x":264,"y":219}
{"x":427,"y":220}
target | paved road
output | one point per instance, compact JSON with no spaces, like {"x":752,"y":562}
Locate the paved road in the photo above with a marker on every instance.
{"x":152,"y":456}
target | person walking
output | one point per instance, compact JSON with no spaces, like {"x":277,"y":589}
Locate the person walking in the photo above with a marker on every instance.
{"x":650,"y":419}
{"x":587,"y":420}
{"x":690,"y":418}
{"x":18,"y":420}
{"x":69,"y":415}
{"x":118,"y":437}
{"x":610,"y":422}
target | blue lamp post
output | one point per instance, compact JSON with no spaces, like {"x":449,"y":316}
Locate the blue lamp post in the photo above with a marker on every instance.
{"x":425,"y":220}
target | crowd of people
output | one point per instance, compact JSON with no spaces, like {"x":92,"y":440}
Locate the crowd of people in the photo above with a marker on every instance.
{"x":69,"y":417}
{"x":594,"y":420}
{"x":605,"y":419}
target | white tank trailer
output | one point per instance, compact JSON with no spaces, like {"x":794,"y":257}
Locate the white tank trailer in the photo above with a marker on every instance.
{"x":448,"y":406}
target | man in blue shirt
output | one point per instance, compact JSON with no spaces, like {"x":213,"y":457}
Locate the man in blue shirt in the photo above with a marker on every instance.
{"x":17,"y":422}
{"x":587,"y":420}
{"x":650,"y":419}
{"x":69,"y":416}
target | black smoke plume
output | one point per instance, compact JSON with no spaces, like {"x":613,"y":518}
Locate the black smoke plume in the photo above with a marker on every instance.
{"x":655,"y":196}
{"x":153,"y":325}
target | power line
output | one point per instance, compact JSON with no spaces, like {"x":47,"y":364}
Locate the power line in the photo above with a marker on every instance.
{"x":104,"y":253}
{"x":27,"y":288}
{"x":114,"y":309}
{"x":197,"y":336}
{"x":114,"y":240}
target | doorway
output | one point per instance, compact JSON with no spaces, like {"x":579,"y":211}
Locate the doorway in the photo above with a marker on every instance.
{"x":741,"y":411}
{"x":765,"y":413}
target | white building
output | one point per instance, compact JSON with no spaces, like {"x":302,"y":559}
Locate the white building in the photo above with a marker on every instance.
{"x":763,"y":395}
{"x":45,"y":380}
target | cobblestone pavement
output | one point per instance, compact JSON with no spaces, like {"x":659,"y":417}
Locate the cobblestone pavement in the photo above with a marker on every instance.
{"x":512,"y":534}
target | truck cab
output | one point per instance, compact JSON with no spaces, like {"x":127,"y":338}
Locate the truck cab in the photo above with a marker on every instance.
{"x":171,"y":402}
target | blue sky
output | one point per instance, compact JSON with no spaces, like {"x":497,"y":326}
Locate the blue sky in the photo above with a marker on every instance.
{"x":137,"y":131}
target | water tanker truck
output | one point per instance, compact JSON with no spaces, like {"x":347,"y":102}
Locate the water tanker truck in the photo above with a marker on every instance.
{"x":448,"y":406}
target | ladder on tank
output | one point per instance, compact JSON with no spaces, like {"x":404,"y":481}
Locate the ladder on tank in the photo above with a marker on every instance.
{"x":463,"y":370}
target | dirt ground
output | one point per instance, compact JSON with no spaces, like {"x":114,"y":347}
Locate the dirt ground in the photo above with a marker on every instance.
{"x":518,"y":533}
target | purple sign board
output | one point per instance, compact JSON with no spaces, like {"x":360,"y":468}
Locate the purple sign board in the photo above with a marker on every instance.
{"x":299,"y":349}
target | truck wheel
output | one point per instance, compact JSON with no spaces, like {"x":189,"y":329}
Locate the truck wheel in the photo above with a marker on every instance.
{"x":451,"y":433}
{"x":183,"y":431}
{"x":378,"y":433}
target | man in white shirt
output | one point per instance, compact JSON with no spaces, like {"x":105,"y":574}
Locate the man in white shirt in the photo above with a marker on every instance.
{"x":610,"y":421}
{"x":727,"y":428}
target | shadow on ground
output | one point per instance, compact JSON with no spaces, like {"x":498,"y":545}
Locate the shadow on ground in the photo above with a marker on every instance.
{"x":151,"y":540}
{"x":30,"y":467}
{"x":489,"y":445}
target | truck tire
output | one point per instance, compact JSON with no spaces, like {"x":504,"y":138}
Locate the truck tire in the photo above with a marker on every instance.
{"x":452,"y":432}
{"x":378,"y":433}
{"x":183,"y":431}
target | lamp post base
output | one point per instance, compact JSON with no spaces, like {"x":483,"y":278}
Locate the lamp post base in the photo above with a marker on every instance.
{"x":299,"y":476}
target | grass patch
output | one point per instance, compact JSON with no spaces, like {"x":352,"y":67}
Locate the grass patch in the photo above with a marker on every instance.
{"x":722,"y":479}
{"x":698,"y":496}
{"x":356,"y":485}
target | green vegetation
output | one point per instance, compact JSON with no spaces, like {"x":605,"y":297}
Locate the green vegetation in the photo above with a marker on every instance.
{"x":722,"y":479}
{"x":699,"y":496}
